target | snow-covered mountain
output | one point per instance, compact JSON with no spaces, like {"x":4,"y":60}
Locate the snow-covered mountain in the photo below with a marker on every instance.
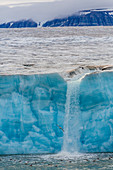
{"x":93,"y":17}
{"x":19,"y":24}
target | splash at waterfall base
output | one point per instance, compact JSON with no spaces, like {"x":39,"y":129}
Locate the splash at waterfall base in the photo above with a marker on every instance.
{"x":46,"y":114}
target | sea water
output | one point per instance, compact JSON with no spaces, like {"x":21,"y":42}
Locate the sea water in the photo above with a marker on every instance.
{"x":50,"y":50}
{"x":61,"y":162}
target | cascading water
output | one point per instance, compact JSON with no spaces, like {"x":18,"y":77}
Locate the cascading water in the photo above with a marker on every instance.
{"x":71,"y":125}
{"x":89,"y":114}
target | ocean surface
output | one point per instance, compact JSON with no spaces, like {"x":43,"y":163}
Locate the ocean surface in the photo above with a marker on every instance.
{"x":49,"y":50}
{"x":62,"y":161}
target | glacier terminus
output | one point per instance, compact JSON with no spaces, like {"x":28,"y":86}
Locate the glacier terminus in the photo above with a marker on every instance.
{"x":46,"y":114}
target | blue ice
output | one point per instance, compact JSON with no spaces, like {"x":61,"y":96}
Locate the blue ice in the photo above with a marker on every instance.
{"x":32,"y":108}
{"x":35,"y":109}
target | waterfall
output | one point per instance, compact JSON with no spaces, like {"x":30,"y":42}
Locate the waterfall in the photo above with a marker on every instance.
{"x":71,"y":123}
{"x":88,"y":125}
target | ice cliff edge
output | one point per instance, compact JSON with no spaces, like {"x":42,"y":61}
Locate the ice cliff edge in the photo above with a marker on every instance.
{"x":45,"y":114}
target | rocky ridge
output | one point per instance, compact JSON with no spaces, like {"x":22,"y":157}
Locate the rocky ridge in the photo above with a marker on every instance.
{"x":94,"y":17}
{"x":19,"y":24}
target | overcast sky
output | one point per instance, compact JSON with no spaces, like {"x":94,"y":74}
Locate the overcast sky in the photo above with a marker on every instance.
{"x":6,"y":2}
{"x":42,"y":10}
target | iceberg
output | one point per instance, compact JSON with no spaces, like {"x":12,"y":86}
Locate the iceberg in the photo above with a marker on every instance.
{"x":32,"y":108}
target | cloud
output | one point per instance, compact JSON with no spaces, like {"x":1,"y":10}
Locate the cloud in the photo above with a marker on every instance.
{"x":19,"y":5}
{"x":8,"y":2}
{"x":48,"y":10}
{"x":81,"y":4}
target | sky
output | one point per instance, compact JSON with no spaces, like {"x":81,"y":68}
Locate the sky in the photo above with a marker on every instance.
{"x":43,"y":10}
{"x":7,"y":2}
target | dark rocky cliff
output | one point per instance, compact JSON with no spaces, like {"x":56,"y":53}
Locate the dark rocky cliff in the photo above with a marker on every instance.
{"x":97,"y":17}
{"x":19,"y":24}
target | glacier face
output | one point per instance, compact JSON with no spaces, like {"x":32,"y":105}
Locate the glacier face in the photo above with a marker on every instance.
{"x":96,"y":106}
{"x":32,"y":110}
{"x":89,"y":117}
{"x":35,"y":109}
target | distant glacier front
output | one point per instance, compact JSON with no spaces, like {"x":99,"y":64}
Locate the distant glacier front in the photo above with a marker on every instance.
{"x":47,"y":114}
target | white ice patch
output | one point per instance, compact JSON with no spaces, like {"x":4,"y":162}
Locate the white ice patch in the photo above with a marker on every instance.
{"x":110,"y":13}
{"x":84,"y":13}
{"x":11,"y":24}
{"x":102,"y":10}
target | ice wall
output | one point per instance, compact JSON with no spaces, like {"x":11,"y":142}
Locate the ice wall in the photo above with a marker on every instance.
{"x":32,"y":110}
{"x":45,"y":114}
{"x":89,"y":114}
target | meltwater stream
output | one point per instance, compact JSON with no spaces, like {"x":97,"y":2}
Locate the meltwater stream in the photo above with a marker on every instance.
{"x":71,"y":123}
{"x":89,"y":114}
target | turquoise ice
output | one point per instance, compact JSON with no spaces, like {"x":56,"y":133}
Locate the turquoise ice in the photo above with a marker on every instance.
{"x":45,"y":114}
{"x":32,"y":108}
